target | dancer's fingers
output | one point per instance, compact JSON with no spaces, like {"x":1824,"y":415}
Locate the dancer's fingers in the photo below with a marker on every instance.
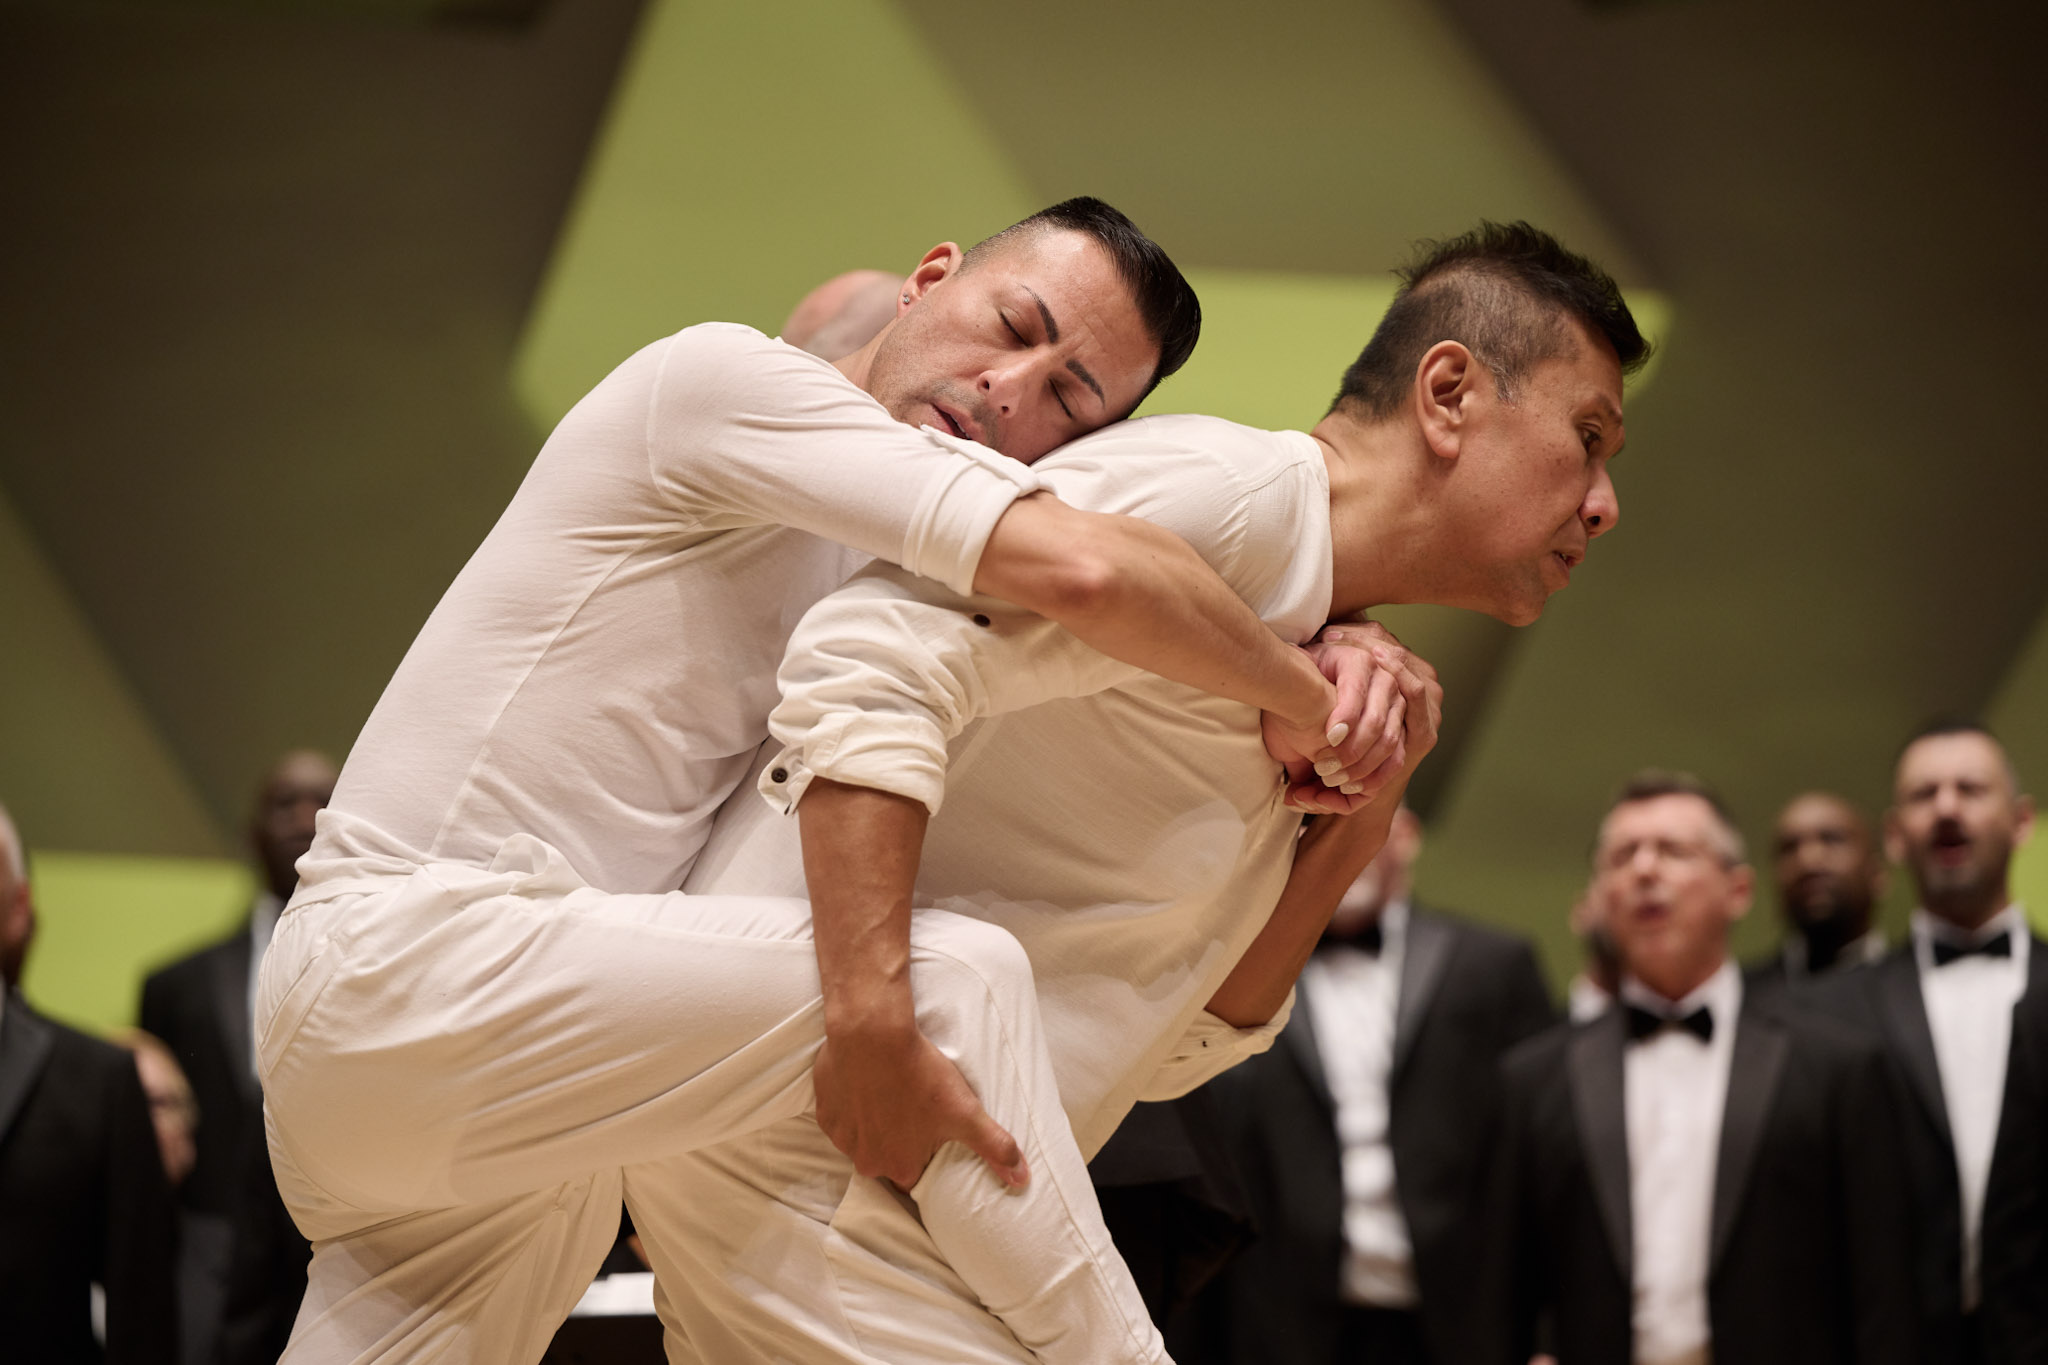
{"x":988,"y":1140}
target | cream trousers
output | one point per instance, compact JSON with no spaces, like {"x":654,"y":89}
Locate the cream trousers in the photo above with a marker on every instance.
{"x":457,"y":1067}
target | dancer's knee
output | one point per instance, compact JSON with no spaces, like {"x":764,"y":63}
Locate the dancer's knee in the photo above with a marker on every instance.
{"x":972,"y":950}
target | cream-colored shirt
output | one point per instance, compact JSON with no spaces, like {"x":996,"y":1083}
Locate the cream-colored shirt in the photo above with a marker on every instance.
{"x":600,"y":674}
{"x":1129,"y":831}
{"x":1969,"y":1011}
{"x":1674,"y":1092}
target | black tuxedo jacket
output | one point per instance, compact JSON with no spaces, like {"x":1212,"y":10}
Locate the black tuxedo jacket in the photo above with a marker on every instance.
{"x":245,"y":1263}
{"x":1808,"y":1251}
{"x":199,"y":1006}
{"x":82,"y":1199}
{"x":1884,"y":1001}
{"x":2015,"y":1235}
{"x":1467,"y":994}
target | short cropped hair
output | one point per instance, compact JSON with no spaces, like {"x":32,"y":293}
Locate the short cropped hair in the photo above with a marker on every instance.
{"x":1962,"y":725}
{"x":1651,"y":783}
{"x":1166,"y":302}
{"x":1503,"y":291}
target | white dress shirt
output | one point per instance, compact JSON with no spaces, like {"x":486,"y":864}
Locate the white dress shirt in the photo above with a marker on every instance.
{"x":600,"y":673}
{"x":1674,"y":1090}
{"x":1969,"y":1011}
{"x":262,"y":924}
{"x":1352,"y":999}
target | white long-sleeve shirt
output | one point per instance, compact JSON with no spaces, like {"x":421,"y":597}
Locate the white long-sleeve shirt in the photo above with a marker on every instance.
{"x":600,"y":674}
{"x":1129,"y":831}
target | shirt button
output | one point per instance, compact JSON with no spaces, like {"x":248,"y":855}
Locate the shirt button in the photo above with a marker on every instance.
{"x":779,"y":775}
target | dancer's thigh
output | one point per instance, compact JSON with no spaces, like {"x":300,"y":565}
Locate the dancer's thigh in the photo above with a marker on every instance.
{"x":436,"y":1047}
{"x":775,"y":1232}
{"x":769,"y":1248}
{"x":476,"y":1285}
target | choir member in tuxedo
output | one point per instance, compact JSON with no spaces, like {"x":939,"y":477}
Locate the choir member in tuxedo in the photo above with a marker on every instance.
{"x":232,"y":1221}
{"x":1697,"y":1174}
{"x":1362,"y":1137}
{"x":1942,"y":1007}
{"x":83,"y":1198}
{"x":1830,"y":878}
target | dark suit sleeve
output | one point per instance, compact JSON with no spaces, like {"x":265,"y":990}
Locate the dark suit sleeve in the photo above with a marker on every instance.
{"x":1507,"y":1288}
{"x":141,"y":1229}
{"x":1527,"y":1008}
{"x":1876,"y":1236}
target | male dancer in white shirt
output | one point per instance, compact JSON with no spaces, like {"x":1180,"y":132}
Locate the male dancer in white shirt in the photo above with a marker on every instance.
{"x":1128,"y":833}
{"x":487,"y":995}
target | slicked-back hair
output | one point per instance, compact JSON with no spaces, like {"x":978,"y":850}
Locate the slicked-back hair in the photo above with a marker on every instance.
{"x":1962,"y":725}
{"x":1651,"y":783}
{"x":1504,"y":291}
{"x":1166,"y":302}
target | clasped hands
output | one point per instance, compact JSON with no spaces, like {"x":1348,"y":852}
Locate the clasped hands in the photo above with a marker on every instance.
{"x":1383,"y":718}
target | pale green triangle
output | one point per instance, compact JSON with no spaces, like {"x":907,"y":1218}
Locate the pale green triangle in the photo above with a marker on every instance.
{"x":751,"y":152}
{"x":104,"y":922}
{"x":81,"y":762}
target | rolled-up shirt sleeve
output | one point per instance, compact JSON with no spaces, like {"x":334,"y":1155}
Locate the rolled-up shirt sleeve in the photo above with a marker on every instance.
{"x":1209,"y":1048}
{"x":883,"y":674}
{"x":745,"y":431}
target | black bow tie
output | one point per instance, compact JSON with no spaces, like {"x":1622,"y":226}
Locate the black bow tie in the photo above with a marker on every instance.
{"x":1368,"y":939}
{"x":1999,"y":945}
{"x":1644,"y":1023}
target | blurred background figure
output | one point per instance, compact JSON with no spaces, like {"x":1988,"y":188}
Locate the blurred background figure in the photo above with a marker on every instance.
{"x":1830,"y":878}
{"x":1697,"y":1175}
{"x":1592,"y":987}
{"x":1942,"y":1006}
{"x":1362,"y":1137}
{"x":83,"y":1199}
{"x":202,"y":1008}
{"x":843,"y":314}
{"x":173,"y":1112}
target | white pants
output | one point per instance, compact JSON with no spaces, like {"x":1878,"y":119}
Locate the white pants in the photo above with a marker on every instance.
{"x":770,"y":1250}
{"x":456,"y":1069}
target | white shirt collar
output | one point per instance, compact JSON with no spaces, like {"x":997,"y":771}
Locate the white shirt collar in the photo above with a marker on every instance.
{"x":1720,"y":993}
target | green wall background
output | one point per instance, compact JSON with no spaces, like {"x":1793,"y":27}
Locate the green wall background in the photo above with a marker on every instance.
{"x":104,"y":922}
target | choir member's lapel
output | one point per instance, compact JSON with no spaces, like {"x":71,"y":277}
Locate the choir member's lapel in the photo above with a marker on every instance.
{"x":231,"y":967}
{"x":1753,"y":1074}
{"x":1424,"y":957}
{"x":1593,"y":1059}
{"x":1299,"y":1038}
{"x":25,"y":1042}
{"x":1897,"y":983}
